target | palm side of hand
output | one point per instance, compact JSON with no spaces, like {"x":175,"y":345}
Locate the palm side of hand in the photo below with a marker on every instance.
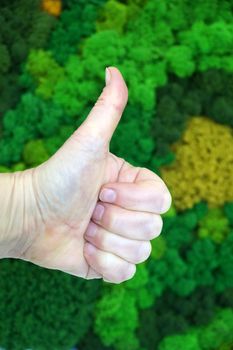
{"x":66,"y":191}
{"x":66,"y":201}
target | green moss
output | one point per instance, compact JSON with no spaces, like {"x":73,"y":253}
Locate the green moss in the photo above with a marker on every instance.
{"x":35,"y":153}
{"x":51,"y":299}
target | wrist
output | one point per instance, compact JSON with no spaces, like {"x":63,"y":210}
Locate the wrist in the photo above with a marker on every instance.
{"x":16,"y":214}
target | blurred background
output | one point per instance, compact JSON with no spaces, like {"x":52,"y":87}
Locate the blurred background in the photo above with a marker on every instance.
{"x":177,"y":59}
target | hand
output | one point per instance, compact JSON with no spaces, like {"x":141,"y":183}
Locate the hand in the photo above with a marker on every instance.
{"x":76,"y":229}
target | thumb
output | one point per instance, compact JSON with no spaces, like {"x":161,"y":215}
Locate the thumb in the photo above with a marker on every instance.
{"x":107,"y":111}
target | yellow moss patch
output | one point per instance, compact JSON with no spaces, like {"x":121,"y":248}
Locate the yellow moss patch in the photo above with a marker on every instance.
{"x":203,"y":169}
{"x":53,"y":7}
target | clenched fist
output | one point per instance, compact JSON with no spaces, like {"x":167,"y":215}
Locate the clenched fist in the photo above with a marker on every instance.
{"x":86,"y":211}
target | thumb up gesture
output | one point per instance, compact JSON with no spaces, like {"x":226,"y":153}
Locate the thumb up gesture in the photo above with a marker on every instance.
{"x":94,"y":214}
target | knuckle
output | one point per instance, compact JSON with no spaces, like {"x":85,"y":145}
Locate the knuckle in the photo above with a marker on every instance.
{"x":129,"y":272}
{"x":101,"y":101}
{"x":163,"y":198}
{"x":117,"y":106}
{"x":124,"y":273}
{"x":167,"y":201}
{"x":155,"y":226}
{"x":117,"y":279}
{"x":143,"y":252}
{"x":114,"y":277}
{"x":159,"y":188}
{"x":115,"y":273}
{"x":119,"y":274}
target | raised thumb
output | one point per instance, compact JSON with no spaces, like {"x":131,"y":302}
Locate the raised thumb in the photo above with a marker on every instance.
{"x":107,"y":111}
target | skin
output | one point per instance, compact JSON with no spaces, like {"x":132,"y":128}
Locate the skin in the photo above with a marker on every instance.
{"x":52,"y":213}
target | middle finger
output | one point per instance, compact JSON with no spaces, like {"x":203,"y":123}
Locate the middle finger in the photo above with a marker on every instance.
{"x":130,"y":224}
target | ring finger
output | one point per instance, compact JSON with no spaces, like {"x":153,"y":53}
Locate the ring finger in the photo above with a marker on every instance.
{"x":134,"y":251}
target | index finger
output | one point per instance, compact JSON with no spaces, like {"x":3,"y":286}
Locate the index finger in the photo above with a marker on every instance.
{"x":145,"y":195}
